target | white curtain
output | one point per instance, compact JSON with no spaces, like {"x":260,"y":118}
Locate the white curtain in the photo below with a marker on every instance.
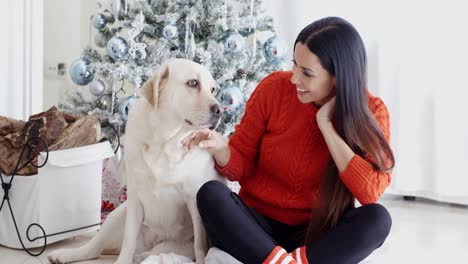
{"x":418,"y":56}
{"x":21,"y":61}
{"x":426,"y":90}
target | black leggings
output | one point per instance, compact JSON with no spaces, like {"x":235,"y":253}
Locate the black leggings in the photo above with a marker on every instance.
{"x":250,"y":237}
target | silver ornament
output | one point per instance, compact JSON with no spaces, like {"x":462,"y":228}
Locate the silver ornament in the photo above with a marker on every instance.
{"x":231,"y":98}
{"x":97,"y":88}
{"x":126,"y":105}
{"x":170,"y":32}
{"x":117,"y":48}
{"x":275,"y":50}
{"x":235,"y":43}
{"x":105,"y":102}
{"x":80,"y":72}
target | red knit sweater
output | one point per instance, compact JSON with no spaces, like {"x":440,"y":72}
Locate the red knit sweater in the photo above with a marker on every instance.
{"x":278,"y":154}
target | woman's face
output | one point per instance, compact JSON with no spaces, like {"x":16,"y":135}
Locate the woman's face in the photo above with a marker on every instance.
{"x":313,"y":83}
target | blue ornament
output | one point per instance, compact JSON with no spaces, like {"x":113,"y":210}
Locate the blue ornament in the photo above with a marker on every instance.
{"x":234,"y":44}
{"x":126,"y":105}
{"x":99,"y":21}
{"x":170,"y":32}
{"x":231,"y":98}
{"x":108,"y":16}
{"x":117,"y":48}
{"x":80,"y":73}
{"x":275,"y":50}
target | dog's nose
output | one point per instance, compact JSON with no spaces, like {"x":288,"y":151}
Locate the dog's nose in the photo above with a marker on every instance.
{"x":217,"y":110}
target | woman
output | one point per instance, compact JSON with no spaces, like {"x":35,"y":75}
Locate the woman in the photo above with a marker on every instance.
{"x":311,"y":141}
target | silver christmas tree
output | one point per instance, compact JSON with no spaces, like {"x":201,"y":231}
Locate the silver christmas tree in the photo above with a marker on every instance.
{"x":134,"y":37}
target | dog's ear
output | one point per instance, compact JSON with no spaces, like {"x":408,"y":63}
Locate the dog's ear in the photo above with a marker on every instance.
{"x":150,"y":90}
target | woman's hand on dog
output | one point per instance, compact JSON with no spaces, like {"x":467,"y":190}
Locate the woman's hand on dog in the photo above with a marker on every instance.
{"x":207,"y":139}
{"x":210,"y":140}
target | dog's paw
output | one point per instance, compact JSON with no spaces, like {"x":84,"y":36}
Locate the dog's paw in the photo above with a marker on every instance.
{"x":62,"y":256}
{"x":124,"y":259}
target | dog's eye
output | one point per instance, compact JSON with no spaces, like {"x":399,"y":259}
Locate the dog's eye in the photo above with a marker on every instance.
{"x":192,"y":83}
{"x":213,"y":90}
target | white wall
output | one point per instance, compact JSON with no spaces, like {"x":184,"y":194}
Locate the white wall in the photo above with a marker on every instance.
{"x":66,"y":34}
{"x":292,"y":16}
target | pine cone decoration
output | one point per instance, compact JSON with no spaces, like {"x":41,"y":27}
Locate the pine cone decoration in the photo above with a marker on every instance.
{"x":241,"y":74}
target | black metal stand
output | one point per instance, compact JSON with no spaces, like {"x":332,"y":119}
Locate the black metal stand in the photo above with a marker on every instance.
{"x":409,"y":198}
{"x":31,"y":148}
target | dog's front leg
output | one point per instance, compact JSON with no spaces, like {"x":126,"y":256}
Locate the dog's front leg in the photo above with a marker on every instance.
{"x":134,"y":220}
{"x":200,"y":237}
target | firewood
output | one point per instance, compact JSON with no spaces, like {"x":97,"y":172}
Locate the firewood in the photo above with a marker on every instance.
{"x":47,"y":125}
{"x":9,"y":156}
{"x":10,"y":126}
{"x":51,"y":126}
{"x":70,"y":118}
{"x":84,"y":131}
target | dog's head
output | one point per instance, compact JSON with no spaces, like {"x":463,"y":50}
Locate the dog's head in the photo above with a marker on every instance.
{"x":184,"y":88}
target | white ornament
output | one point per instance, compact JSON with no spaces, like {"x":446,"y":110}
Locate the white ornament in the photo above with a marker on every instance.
{"x":191,"y":47}
{"x":138,"y":26}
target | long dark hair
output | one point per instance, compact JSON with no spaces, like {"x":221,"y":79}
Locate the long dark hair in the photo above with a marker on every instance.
{"x":342,"y":53}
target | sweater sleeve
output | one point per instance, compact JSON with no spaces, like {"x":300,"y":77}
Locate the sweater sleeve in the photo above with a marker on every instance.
{"x":244,"y":144}
{"x":366,"y":183}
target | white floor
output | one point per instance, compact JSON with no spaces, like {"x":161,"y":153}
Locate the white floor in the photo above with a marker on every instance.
{"x":423,"y":232}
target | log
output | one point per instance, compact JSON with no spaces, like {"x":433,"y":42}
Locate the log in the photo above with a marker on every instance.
{"x":84,"y":131}
{"x":47,"y":125}
{"x":10,"y":126}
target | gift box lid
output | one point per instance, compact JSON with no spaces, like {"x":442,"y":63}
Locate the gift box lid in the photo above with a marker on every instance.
{"x":78,"y":156}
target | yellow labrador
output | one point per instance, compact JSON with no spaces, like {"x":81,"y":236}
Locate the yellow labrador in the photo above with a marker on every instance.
{"x":161,"y":215}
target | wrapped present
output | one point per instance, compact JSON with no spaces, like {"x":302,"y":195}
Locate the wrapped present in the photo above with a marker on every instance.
{"x":113,"y":184}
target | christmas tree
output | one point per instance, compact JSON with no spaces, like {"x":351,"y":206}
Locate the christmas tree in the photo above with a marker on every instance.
{"x":235,"y":40}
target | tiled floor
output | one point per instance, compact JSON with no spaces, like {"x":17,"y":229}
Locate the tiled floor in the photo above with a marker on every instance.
{"x":422,"y":232}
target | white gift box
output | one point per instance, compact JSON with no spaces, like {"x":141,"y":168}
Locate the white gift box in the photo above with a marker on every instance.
{"x":64,"y":195}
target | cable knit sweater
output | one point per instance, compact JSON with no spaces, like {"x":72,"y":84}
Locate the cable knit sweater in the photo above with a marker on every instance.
{"x":279,"y":156}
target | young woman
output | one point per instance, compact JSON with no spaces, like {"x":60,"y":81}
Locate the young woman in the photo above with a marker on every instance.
{"x":312,"y":140}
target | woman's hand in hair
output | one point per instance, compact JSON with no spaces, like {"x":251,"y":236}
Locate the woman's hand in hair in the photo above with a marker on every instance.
{"x":325,"y":113}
